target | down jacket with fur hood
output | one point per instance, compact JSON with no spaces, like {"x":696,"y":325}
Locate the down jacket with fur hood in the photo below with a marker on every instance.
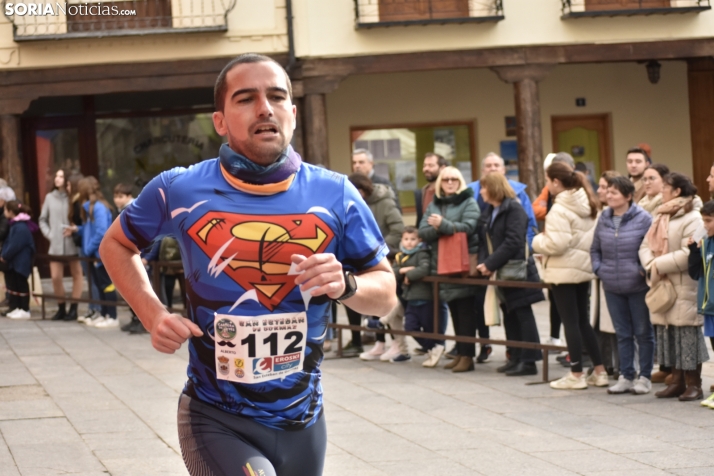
{"x":565,"y":243}
{"x":675,"y":265}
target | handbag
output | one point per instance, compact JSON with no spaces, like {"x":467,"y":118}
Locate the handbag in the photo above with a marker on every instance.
{"x":491,"y":306}
{"x":661,"y":296}
{"x":453,"y":257}
{"x":514,"y":269}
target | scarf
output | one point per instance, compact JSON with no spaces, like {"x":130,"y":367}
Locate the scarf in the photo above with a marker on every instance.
{"x":31,"y":225}
{"x":657,"y":236}
{"x":409,"y":252}
{"x":246,"y":175}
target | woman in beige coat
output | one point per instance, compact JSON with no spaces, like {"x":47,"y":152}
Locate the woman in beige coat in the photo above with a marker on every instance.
{"x":664,"y":253}
{"x":653,"y":180}
{"x":565,"y":246}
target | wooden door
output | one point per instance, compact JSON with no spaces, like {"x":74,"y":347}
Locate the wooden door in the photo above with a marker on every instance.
{"x":587,"y":138}
{"x":411,"y":10}
{"x":701,"y":119}
{"x":604,"y":5}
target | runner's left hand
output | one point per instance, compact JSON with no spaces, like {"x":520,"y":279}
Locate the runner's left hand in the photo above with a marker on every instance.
{"x":321,"y":271}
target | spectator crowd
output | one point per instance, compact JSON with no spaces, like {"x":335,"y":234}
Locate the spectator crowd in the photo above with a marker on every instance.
{"x":627,"y":263}
{"x":75,"y":216}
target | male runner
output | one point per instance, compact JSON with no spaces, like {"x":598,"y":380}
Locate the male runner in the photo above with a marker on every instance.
{"x":263,"y":238}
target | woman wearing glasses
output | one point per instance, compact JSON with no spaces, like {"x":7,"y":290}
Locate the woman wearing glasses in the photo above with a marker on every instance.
{"x":653,"y":182}
{"x":454,"y":210}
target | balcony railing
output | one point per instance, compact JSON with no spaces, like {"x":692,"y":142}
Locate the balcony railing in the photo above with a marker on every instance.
{"x":75,"y":19}
{"x":376,"y":13}
{"x":599,"y":8}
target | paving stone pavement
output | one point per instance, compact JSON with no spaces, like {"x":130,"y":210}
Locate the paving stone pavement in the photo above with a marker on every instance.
{"x":82,"y":401}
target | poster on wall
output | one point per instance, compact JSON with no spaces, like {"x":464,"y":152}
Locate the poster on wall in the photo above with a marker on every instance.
{"x":509,"y":152}
{"x":405,"y":174}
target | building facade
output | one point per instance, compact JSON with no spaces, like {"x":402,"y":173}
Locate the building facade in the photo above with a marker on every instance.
{"x":123,"y":97}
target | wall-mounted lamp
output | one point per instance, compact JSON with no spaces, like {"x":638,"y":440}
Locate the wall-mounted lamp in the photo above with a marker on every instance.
{"x":653,"y":71}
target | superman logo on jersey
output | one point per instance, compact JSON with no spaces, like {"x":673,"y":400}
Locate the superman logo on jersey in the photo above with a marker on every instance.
{"x":255,"y":250}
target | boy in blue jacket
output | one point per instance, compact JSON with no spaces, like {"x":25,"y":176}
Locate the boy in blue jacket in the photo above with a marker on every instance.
{"x":701,"y":253}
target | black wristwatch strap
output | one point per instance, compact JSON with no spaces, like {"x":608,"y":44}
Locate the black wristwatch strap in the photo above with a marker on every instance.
{"x":350,"y":286}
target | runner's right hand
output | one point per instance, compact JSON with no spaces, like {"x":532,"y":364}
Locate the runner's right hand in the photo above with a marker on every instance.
{"x":169,"y":331}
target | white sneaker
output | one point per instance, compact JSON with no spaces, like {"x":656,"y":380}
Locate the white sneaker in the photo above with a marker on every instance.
{"x":434,"y":355}
{"x":19,"y":314}
{"x":391,"y":353}
{"x":374,"y":352}
{"x":598,"y":379}
{"x":107,"y":323}
{"x":13,"y":313}
{"x":83,"y":319}
{"x":570,"y":382}
{"x":623,"y":385}
{"x":642,"y":386}
{"x":94,"y":321}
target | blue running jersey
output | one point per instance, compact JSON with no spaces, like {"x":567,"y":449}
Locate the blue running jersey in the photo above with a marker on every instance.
{"x":236,"y":244}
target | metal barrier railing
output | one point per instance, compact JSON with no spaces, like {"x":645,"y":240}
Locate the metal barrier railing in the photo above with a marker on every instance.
{"x":436,"y":280}
{"x":155,"y":284}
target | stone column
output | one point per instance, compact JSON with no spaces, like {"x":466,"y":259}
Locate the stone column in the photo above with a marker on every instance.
{"x":314,"y":116}
{"x":525,"y":80}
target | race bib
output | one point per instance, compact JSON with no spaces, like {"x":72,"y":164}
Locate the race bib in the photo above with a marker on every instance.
{"x":260,"y":348}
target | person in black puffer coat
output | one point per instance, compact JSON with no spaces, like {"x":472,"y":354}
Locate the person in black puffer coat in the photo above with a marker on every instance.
{"x":505,"y":224}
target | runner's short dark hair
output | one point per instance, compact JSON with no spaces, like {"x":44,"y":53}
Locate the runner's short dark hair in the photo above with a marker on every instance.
{"x":219,"y":90}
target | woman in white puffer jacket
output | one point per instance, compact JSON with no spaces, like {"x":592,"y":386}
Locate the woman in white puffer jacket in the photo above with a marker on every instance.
{"x":565,"y":246}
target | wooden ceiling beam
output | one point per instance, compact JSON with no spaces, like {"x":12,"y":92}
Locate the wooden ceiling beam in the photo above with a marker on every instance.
{"x":511,"y":56}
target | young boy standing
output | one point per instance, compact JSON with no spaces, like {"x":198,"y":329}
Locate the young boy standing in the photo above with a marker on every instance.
{"x":701,"y":253}
{"x":411,"y":265}
{"x":122,"y":198}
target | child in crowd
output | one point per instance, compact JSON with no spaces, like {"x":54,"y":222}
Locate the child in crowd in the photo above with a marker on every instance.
{"x":700,"y":268}
{"x":18,"y":252}
{"x":411,"y":265}
{"x":123,"y":196}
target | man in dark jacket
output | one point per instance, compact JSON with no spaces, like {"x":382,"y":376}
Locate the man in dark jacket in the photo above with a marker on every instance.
{"x":363,"y":163}
{"x":433,"y":165}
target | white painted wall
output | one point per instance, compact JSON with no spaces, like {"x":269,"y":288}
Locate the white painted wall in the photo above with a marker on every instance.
{"x":326,"y":28}
{"x":641,"y":112}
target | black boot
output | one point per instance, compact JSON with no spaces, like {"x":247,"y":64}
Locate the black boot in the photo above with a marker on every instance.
{"x":523,"y":368}
{"x":72,"y":314}
{"x":61,"y":312}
